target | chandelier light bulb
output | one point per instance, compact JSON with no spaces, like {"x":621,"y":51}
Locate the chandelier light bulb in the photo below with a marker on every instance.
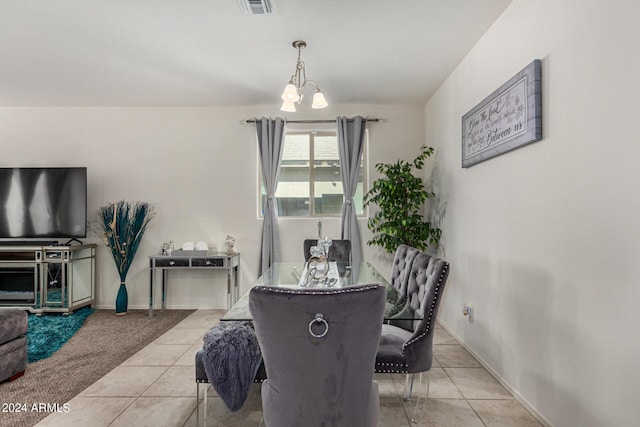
{"x":288,"y":106}
{"x":290,"y":93}
{"x":318,"y":100}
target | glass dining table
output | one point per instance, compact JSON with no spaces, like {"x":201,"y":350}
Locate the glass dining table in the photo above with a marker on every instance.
{"x":294,"y":275}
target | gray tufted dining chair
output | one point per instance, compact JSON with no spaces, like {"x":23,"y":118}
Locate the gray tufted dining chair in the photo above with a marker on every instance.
{"x":401,"y":268}
{"x":319,"y":348}
{"x":406,"y":345}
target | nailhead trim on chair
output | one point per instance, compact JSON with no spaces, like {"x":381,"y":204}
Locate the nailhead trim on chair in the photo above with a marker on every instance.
{"x":208,"y":382}
{"x":433,"y":304}
{"x":312,"y":292}
{"x":392,"y":368}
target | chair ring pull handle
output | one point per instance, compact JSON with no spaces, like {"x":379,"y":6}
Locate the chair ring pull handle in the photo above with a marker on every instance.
{"x":319,"y":319}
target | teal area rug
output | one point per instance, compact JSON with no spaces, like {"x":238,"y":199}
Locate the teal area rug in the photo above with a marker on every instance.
{"x":49,"y":332}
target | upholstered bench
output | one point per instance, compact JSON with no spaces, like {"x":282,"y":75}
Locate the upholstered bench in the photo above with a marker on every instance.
{"x":13,"y":343}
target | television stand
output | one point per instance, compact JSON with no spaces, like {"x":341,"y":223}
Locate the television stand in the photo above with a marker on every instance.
{"x":47,"y":279}
{"x":29,"y":243}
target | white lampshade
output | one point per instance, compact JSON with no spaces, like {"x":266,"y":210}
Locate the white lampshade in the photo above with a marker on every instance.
{"x":288,"y":106}
{"x":318,"y":100}
{"x":290,"y":93}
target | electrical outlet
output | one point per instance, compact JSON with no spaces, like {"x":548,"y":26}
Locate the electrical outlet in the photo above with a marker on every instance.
{"x":467,"y":311}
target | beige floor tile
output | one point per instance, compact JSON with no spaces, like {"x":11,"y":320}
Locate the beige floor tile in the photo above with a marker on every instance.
{"x":177,"y":381}
{"x":392,"y":413}
{"x":125,"y":381}
{"x":441,"y":336}
{"x":202,"y":319}
{"x":444,"y":413}
{"x":441,"y":386}
{"x":156,"y":411}
{"x":100,"y":411}
{"x":477,"y":383}
{"x":189,"y":357}
{"x":454,"y":356}
{"x":503,"y":413}
{"x":157,"y":355}
{"x":188,"y":336}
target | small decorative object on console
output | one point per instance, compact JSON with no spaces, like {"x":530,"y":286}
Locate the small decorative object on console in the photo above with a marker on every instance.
{"x":202,"y":246}
{"x":230,"y":242}
{"x":167,"y":248}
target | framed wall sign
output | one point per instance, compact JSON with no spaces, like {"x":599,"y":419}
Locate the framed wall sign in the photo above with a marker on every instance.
{"x":507,"y":119}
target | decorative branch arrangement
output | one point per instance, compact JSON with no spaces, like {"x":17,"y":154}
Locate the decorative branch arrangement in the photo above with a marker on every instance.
{"x":121,"y":226}
{"x":400,"y":196}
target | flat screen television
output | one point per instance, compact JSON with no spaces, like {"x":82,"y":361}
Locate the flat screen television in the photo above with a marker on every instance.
{"x":43,"y":203}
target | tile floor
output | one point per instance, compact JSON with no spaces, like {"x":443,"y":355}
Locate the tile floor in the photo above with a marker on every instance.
{"x":156,"y":387}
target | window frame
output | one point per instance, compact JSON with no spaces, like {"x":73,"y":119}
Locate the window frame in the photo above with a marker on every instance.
{"x":312,"y":134}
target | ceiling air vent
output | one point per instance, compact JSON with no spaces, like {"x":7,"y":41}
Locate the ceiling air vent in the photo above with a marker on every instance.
{"x":256,"y":7}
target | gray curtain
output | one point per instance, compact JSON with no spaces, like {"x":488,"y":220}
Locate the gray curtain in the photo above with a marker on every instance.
{"x":270,"y":141}
{"x":350,"y":144}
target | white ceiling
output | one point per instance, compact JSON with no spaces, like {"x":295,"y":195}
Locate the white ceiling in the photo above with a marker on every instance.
{"x":205,"y":52}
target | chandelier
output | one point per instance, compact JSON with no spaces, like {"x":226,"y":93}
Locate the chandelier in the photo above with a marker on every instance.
{"x":293,"y":91}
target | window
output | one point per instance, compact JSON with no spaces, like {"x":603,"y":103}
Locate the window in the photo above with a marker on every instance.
{"x":310,"y":183}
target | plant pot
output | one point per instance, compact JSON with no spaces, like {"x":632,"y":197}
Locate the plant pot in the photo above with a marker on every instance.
{"x":122,"y":300}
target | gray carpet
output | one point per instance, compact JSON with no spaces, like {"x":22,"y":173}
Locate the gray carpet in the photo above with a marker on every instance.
{"x":102,"y":343}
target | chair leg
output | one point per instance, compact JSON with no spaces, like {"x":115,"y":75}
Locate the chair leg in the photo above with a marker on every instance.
{"x":426,"y":396}
{"x":408,"y":387}
{"x":206,"y":392}
{"x":197,"y":404}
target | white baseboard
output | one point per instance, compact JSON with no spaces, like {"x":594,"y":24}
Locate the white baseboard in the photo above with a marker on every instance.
{"x":545,"y":422}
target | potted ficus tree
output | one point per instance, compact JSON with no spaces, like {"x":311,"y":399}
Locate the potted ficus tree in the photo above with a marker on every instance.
{"x":400,"y":197}
{"x":121,"y":226}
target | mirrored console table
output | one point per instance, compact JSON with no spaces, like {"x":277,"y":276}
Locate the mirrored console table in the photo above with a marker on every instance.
{"x":41,"y":279}
{"x":205,"y":261}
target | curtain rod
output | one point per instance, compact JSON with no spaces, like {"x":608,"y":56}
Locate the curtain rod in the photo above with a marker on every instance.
{"x":316,"y":121}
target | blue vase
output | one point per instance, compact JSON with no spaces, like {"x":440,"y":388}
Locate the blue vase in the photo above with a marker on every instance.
{"x":122,"y":300}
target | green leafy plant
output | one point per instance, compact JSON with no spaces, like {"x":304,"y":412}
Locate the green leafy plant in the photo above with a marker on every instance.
{"x":400,"y":196}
